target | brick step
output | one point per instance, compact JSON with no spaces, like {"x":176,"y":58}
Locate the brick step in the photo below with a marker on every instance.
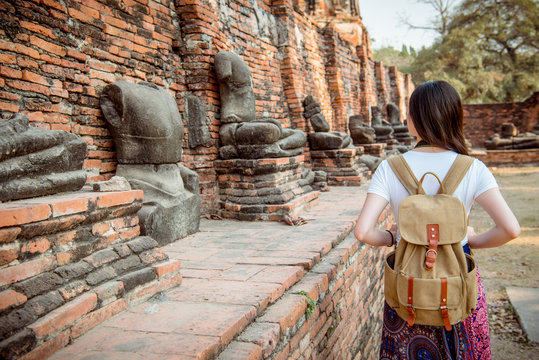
{"x":71,"y":320}
{"x":74,"y":261}
{"x":271,"y":212}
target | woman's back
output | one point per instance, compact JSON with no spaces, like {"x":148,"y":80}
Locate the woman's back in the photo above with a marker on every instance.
{"x":477,"y":180}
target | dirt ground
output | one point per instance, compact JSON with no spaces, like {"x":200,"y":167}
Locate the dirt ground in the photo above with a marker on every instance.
{"x":514,"y":264}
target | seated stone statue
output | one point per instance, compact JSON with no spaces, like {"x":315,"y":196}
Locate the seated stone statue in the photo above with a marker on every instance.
{"x":370,"y":161}
{"x":360,"y":132}
{"x":148,"y":133}
{"x":37,"y":162}
{"x":382,"y":128}
{"x":401,"y":133}
{"x":322,"y":138}
{"x":510,"y":139}
{"x":242,"y":135}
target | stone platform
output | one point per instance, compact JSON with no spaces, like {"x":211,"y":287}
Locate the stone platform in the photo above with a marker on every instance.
{"x":342,"y":166}
{"x":525,"y":301}
{"x":254,"y":290}
{"x":263,"y":189}
{"x":507,"y":157}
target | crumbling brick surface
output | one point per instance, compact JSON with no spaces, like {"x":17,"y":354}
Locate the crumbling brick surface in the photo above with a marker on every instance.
{"x":56,"y":277}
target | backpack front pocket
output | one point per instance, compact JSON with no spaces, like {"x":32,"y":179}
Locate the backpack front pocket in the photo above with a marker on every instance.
{"x":390,"y":281}
{"x":427,"y":293}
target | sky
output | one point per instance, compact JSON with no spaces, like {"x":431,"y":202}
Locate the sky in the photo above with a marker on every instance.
{"x":381,"y":17}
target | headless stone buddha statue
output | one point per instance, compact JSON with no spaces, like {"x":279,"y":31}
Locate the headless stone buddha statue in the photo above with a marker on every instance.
{"x":148,"y":133}
{"x":37,"y":162}
{"x":382,"y":128}
{"x":401,"y":133}
{"x":511,"y":139}
{"x":322,"y":138}
{"x":360,"y":132}
{"x":242,"y":135}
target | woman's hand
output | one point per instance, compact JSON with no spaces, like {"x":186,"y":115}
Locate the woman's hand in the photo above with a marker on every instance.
{"x":470,"y":232}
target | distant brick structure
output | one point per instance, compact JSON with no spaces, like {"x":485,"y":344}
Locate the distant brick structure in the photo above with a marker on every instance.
{"x":481,"y":121}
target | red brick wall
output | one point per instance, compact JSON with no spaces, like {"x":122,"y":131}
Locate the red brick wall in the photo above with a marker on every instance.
{"x":346,"y":321}
{"x":367,"y":79}
{"x":508,"y":157}
{"x":55,"y":61}
{"x":342,"y":65}
{"x":481,"y":121}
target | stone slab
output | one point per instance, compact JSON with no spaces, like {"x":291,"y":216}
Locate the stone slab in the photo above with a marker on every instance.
{"x":526,"y":304}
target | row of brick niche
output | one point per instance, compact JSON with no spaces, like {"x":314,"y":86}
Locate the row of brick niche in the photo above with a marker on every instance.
{"x":71,"y":260}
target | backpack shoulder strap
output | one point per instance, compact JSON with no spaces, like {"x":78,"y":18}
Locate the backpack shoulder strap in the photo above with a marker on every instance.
{"x":456,"y":173}
{"x":403,"y":172}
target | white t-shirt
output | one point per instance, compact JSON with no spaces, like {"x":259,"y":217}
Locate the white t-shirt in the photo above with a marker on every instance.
{"x":477,"y":180}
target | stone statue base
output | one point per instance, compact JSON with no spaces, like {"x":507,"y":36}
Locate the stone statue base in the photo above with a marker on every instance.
{"x":171,"y":207}
{"x":264,"y":189}
{"x":342,"y":166}
{"x":377,"y":149}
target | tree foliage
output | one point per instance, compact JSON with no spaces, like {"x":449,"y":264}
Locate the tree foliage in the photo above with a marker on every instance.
{"x":393,"y":57}
{"x":489,"y":52}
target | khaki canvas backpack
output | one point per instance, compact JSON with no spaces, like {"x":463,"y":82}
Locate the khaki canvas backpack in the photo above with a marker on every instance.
{"x":429,"y":279}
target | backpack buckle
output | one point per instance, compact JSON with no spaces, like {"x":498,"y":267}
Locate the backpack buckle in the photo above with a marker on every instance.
{"x":411,"y":315}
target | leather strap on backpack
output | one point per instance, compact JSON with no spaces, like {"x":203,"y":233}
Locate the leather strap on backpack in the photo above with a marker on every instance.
{"x":443,"y":305}
{"x":433,"y":235}
{"x":411,"y":313}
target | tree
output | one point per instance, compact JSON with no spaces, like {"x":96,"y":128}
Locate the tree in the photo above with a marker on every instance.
{"x":440,"y":24}
{"x":392,"y":57}
{"x":404,"y":51}
{"x":490,"y":51}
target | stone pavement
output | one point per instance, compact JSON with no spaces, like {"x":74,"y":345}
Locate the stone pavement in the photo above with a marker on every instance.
{"x":526,"y":304}
{"x":232,"y":272}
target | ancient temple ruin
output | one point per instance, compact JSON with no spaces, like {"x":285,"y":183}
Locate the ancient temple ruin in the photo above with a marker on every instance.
{"x":199,"y":105}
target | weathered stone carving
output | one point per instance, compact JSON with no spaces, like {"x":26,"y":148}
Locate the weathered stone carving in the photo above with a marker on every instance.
{"x":320,"y":181}
{"x":382,"y":128}
{"x":197,"y":122}
{"x":401,"y":133}
{"x":115,"y":183}
{"x":242,"y":135}
{"x":510,"y":139}
{"x":148,"y":132}
{"x":322,"y":138}
{"x":360,"y":132}
{"x":36,"y":162}
{"x":370,"y":161}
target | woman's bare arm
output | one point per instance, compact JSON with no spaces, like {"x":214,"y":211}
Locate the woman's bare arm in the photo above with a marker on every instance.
{"x":366,"y":230}
{"x":506,"y":225}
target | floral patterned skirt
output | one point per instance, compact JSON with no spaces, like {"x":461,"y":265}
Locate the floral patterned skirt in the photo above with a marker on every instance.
{"x":477,"y":326}
{"x":422,"y":342}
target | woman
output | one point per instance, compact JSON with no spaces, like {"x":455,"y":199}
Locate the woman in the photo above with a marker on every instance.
{"x":435,"y":118}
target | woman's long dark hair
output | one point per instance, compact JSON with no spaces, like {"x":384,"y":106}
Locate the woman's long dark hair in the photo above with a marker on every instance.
{"x":436,"y":111}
